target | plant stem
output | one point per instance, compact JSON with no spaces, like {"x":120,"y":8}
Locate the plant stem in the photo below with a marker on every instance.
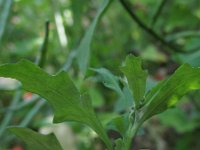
{"x":4,"y":15}
{"x":130,"y":136}
{"x":150,"y":31}
{"x":32,"y":113}
{"x":9,"y":114}
{"x":158,"y":12}
{"x":20,"y":105}
{"x":184,"y":34}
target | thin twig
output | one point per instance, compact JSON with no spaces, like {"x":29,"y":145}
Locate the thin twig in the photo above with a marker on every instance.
{"x":184,"y":34}
{"x":20,"y":105}
{"x":158,"y":12}
{"x":172,"y":48}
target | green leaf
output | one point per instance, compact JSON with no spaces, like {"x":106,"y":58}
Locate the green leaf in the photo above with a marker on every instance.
{"x":136,"y":77}
{"x":125,"y":100}
{"x":112,"y":82}
{"x":168,"y":92}
{"x":68,"y":104}
{"x":109,"y":80}
{"x":119,"y":144}
{"x":96,"y":97}
{"x":153,"y":91}
{"x":36,"y":141}
{"x":176,"y":118}
{"x":83,"y":54}
{"x":119,"y":124}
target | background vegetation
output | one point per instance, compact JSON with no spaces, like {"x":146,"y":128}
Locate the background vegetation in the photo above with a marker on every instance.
{"x":164,"y":33}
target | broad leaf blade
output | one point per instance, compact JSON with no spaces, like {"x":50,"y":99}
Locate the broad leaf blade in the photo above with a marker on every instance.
{"x":169,"y":92}
{"x":68,"y":104}
{"x":83,"y":54}
{"x":136,"y":77}
{"x":36,"y":141}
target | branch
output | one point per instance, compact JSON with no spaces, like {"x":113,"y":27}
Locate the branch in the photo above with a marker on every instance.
{"x":158,"y":12}
{"x":151,"y":32}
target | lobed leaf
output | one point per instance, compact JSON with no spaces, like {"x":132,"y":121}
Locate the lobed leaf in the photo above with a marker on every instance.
{"x":67,"y":103}
{"x":36,"y":141}
{"x":136,"y":77}
{"x":168,"y":92}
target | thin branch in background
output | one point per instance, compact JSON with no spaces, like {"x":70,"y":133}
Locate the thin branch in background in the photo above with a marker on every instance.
{"x":32,"y":113}
{"x":158,"y":12}
{"x":44,"y":48}
{"x":150,"y":31}
{"x":4,"y":14}
{"x":8,"y":117}
{"x":21,"y":105}
{"x":184,"y":34}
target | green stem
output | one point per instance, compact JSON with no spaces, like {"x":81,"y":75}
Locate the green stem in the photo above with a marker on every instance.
{"x":20,"y":105}
{"x":9,"y":114}
{"x":158,"y":12}
{"x":184,"y":34}
{"x":32,"y":113}
{"x":4,"y":15}
{"x":131,"y":133}
{"x":172,"y":47}
{"x":132,"y":130}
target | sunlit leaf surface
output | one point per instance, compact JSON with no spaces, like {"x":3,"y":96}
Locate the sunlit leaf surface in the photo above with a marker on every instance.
{"x":167,"y":93}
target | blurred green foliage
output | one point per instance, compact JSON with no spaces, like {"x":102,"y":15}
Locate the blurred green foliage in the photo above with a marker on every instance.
{"x":116,"y":35}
